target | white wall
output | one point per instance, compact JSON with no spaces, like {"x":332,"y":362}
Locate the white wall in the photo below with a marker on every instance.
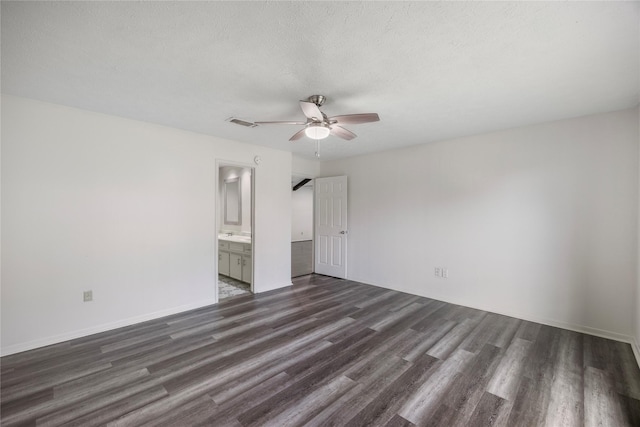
{"x":305,"y":167}
{"x":637,"y":308}
{"x":124,"y":208}
{"x":537,"y":222}
{"x":302,"y":214}
{"x":302,"y":199}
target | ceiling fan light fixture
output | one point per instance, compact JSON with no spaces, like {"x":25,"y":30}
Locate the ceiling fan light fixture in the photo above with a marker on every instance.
{"x":318,"y":131}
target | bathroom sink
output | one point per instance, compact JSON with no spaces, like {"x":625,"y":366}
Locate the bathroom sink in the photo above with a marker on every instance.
{"x":234,"y":238}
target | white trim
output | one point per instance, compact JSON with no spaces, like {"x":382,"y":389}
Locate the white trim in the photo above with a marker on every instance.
{"x":313,"y":218}
{"x":636,"y":351}
{"x":530,"y":318}
{"x":56,"y":339}
{"x":274,"y":289}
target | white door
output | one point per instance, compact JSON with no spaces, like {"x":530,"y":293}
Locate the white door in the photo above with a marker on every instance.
{"x":331,"y":226}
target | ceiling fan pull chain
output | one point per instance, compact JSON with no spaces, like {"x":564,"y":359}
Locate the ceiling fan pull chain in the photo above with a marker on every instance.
{"x":317,"y":148}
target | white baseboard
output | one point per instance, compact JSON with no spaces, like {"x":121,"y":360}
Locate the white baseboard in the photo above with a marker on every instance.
{"x":531,"y":318}
{"x":259,"y":291}
{"x":42,"y":342}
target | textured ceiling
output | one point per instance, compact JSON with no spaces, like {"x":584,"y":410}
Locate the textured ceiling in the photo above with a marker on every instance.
{"x":432,"y":70}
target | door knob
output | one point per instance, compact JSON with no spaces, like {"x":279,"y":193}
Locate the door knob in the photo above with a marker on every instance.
{"x":343,"y":232}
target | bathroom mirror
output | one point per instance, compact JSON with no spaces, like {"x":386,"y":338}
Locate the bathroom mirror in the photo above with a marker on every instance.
{"x":232,"y":202}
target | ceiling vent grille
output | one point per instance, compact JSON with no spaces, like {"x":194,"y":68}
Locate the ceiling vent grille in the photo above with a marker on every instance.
{"x":241,"y":122}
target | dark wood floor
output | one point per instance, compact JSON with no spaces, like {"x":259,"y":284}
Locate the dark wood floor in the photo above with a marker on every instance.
{"x":326,"y":352}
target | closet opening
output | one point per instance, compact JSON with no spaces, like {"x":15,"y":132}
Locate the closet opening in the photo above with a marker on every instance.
{"x":301,"y":226}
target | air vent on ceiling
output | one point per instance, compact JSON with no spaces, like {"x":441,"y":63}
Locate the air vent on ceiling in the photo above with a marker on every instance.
{"x":241,"y":122}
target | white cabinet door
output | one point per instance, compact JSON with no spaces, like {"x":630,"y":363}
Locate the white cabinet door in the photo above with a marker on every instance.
{"x":223,"y":263}
{"x":235,"y":266}
{"x":331,"y":226}
{"x":246,"y":269}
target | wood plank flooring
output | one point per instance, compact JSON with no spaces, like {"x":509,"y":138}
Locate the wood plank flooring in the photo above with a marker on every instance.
{"x":326,"y":352}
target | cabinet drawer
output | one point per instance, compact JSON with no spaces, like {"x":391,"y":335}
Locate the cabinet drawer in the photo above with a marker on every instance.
{"x":223,"y":245}
{"x":238,"y":247}
{"x":247,"y":249}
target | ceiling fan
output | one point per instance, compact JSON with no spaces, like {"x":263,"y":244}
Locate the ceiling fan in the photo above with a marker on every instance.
{"x":319,"y":126}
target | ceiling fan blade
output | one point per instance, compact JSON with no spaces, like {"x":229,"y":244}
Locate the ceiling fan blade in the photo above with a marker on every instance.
{"x":354,"y":119}
{"x":343,"y":133}
{"x":280,"y":123}
{"x":296,"y":136}
{"x":311,"y":110}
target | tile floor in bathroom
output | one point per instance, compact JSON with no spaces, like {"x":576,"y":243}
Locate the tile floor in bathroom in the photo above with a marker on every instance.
{"x":229,"y":287}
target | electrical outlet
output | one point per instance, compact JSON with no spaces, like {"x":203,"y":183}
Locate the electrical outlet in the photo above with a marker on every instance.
{"x":441,"y":272}
{"x":88,"y":296}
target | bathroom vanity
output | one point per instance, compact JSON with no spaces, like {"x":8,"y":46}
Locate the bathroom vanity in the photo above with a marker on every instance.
{"x":234,"y":257}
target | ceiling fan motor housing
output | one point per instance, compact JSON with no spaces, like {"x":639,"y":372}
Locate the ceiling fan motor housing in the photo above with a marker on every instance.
{"x":317,"y":99}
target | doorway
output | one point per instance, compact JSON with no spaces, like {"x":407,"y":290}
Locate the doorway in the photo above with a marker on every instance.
{"x":301,"y":225}
{"x":235,"y":230}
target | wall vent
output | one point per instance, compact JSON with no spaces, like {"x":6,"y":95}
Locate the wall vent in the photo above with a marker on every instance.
{"x":241,"y":122}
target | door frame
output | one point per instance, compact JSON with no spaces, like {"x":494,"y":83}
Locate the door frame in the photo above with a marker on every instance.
{"x":313,"y":215}
{"x":220,"y":163}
